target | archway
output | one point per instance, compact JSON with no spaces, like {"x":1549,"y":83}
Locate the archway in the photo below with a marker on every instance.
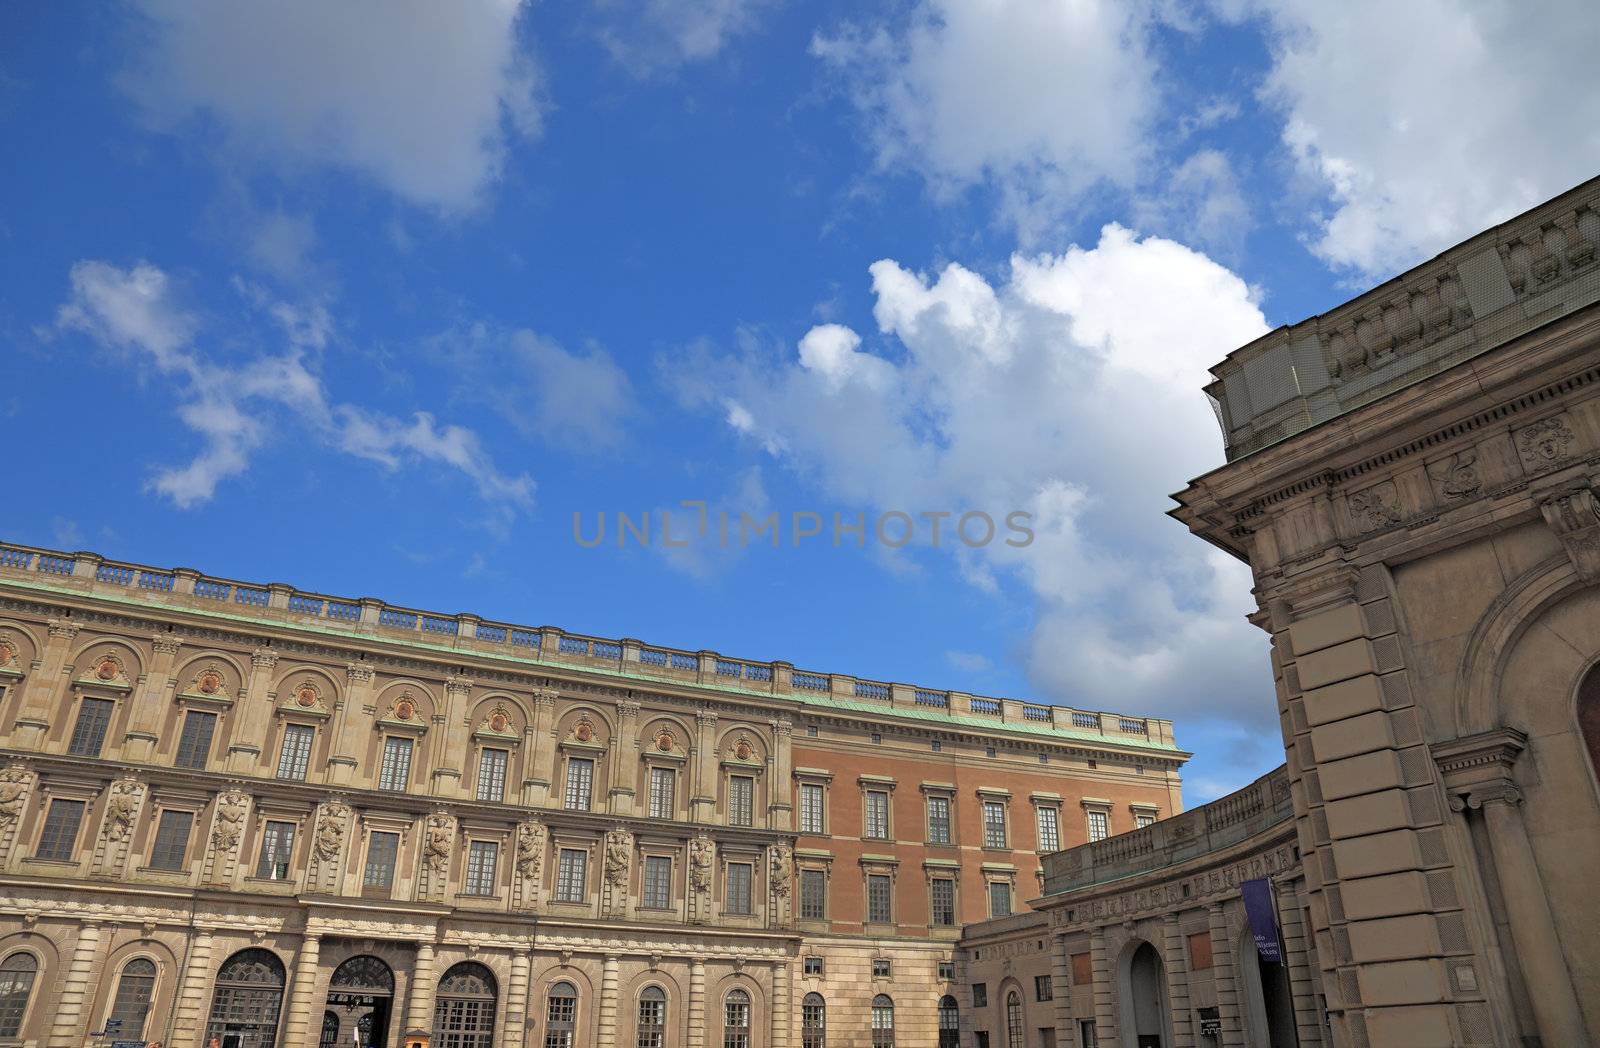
{"x":248,"y":997}
{"x":1269,"y":1003}
{"x":1145,"y":1022}
{"x":464,"y":1010}
{"x":361,"y":999}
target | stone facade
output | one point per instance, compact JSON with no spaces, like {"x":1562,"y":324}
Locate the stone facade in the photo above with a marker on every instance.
{"x":275,"y":817}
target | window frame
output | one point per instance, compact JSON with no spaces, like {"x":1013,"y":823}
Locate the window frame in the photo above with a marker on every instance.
{"x":996,"y":832}
{"x":578,"y":889}
{"x":184,"y":755}
{"x":282,"y":843}
{"x":1047,"y":817}
{"x":738,"y":900}
{"x":583,"y":785}
{"x":886,"y":879}
{"x":498,"y":771}
{"x":394,"y":771}
{"x":62,"y":844}
{"x":478,"y":879}
{"x":295,"y":763}
{"x":83,"y":725}
{"x":162,"y":849}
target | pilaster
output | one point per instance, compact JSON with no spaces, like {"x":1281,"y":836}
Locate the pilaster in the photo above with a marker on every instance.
{"x":255,"y":715}
{"x":42,"y":698}
{"x":149,"y":704}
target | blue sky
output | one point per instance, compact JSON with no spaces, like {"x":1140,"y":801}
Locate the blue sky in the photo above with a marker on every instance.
{"x":373,"y":298}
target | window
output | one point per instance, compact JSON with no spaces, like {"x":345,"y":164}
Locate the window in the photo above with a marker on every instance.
{"x":1098,"y":829}
{"x":877,"y":815}
{"x":1087,"y":1037}
{"x":171,"y":846}
{"x":194,"y":745}
{"x":571,"y":870}
{"x":1049,"y":821}
{"x":277,"y":847}
{"x":811,"y":807}
{"x":881,"y":968}
{"x":879,"y":906}
{"x":561,"y":1016}
{"x":947,"y":971}
{"x":938,"y":747}
{"x":482,"y":859}
{"x":580,"y":783}
{"x":59,"y":838}
{"x":980,"y":995}
{"x":811,"y":731}
{"x":938,"y":820}
{"x":942,"y":899}
{"x":999,"y":898}
{"x":989,"y":752}
{"x":396,"y":771}
{"x":1143,"y":819}
{"x":657,"y":882}
{"x":295,"y":757}
{"x":813,"y":895}
{"x":811,"y":966}
{"x":737,"y":899}
{"x":662,"y":783}
{"x":463,"y":1012}
{"x":736,"y":1020}
{"x":741,"y":800}
{"x":877,"y":738}
{"x":248,"y":994}
{"x":813,"y":1021}
{"x":1041,"y":988}
{"x":492,"y":774}
{"x":382,"y":850}
{"x":17,"y":974}
{"x":89,"y":733}
{"x":949,"y":1023}
{"x":994,"y":824}
{"x":980,"y":1038}
{"x":652,"y":1025}
{"x":882,"y":1022}
{"x":1014,"y":1021}
{"x":132,"y":1003}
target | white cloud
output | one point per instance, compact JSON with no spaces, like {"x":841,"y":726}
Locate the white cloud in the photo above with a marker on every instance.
{"x":968,"y":661}
{"x":227,"y":404}
{"x":1201,"y":203}
{"x":419,"y":96}
{"x":652,"y":36}
{"x":1427,"y":121}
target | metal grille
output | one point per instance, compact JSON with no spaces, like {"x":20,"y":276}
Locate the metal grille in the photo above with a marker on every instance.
{"x":464,"y":1012}
{"x":248,"y":995}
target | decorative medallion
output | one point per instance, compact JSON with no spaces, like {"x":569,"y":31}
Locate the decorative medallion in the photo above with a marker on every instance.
{"x":209,"y":682}
{"x":584,"y":732}
{"x":405,"y":709}
{"x":498,"y":721}
{"x":107,"y":668}
{"x":1374,"y":508}
{"x":1545,"y":441}
{"x":664,"y":741}
{"x":742,"y":749}
{"x":305,"y":695}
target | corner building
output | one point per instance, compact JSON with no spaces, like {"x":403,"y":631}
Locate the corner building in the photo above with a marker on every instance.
{"x":272,"y":817}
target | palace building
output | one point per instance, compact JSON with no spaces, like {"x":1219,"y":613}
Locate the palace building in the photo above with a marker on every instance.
{"x":260,"y":816}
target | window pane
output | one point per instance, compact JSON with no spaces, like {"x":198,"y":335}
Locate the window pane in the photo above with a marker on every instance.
{"x":132,"y":1003}
{"x":938,"y":820}
{"x":813,"y":1022}
{"x":194,"y":745}
{"x":1097,"y":826}
{"x":811,"y":801}
{"x":999,"y":899}
{"x":813,"y":894}
{"x":396,"y":773}
{"x":382,"y":850}
{"x":172,"y":840}
{"x":877,"y":814}
{"x":277,"y":847}
{"x":741,"y":798}
{"x":652,"y":1018}
{"x":662,"y":782}
{"x":482,"y":857}
{"x":296,"y":755}
{"x":943,"y":893}
{"x":657,"y":882}
{"x":60,"y":834}
{"x":89,"y":733}
{"x":17,"y":975}
{"x":570,"y":873}
{"x":739,"y":876}
{"x":580,"y":783}
{"x":879,"y":910}
{"x":994,"y":824}
{"x":492,"y":775}
{"x":1049,"y":830}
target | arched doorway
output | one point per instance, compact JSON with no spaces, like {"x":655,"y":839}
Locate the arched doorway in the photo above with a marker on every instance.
{"x":248,"y":997}
{"x":463,"y":1015}
{"x":1144,"y":1014}
{"x":361,"y":998}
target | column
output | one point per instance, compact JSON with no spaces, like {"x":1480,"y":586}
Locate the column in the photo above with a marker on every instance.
{"x":607,"y":1023}
{"x":1301,"y":987}
{"x":697,"y":1003}
{"x":542,"y":747}
{"x":33,"y":722}
{"x":68,"y":1028}
{"x":624,"y":760}
{"x":1176,"y":959}
{"x":1061,"y":991}
{"x":186,"y":1023}
{"x":349,"y":729}
{"x":704,"y":798}
{"x":255,"y":714}
{"x":1105,"y":1002}
{"x":782,"y":1017}
{"x":1222,"y":972}
{"x":512,"y":1031}
{"x":150,"y":705}
{"x":297,"y":1028}
{"x":419,"y":1008}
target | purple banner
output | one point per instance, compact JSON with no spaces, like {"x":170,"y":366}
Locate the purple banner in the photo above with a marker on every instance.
{"x":1263,"y":917}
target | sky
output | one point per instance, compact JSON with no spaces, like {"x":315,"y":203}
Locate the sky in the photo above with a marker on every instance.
{"x":408,"y":300}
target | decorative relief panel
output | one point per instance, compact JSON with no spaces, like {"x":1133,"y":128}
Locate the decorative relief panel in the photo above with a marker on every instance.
{"x":227,"y":837}
{"x":532,"y":842}
{"x":1546,"y":444}
{"x":16,"y":786}
{"x":438,"y":844}
{"x":330,"y":830}
{"x":1376,"y":507}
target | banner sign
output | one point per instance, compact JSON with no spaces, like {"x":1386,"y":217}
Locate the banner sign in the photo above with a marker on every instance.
{"x":1263,"y":917}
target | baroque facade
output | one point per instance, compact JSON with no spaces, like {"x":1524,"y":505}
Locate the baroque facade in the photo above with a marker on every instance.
{"x":265,"y":816}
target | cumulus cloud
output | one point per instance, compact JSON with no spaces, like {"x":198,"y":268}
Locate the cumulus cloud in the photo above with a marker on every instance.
{"x":1427,"y":121}
{"x":654,"y":36}
{"x":227,"y":404}
{"x":421,"y":97}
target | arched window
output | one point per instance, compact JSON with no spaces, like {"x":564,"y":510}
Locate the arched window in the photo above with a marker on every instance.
{"x":17,"y":974}
{"x":813,"y":1021}
{"x":736,"y":1019}
{"x":463,"y":1015}
{"x":1014,"y":1021}
{"x":248,"y":996}
{"x":330,"y":1030}
{"x":132,"y":1003}
{"x":882,"y":1022}
{"x":652,"y":1017}
{"x":363,"y":974}
{"x":561,"y":1016}
{"x":949,"y":1023}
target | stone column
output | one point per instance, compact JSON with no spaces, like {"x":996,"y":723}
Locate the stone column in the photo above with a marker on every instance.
{"x":419,"y":1008}
{"x":1105,"y":998}
{"x":606,"y":1023}
{"x":513,"y":1030}
{"x":255,"y":714}
{"x":453,"y":755}
{"x":624,"y":760}
{"x":697,"y":1003}
{"x":1222,"y":972}
{"x":1176,"y":960}
{"x":703,"y":799}
{"x":188,"y":1018}
{"x":41,"y":699}
{"x":542,"y":748}
{"x":150,"y":705}
{"x":349,"y":724}
{"x":1301,"y":986}
{"x":68,"y":1028}
{"x":782,"y":1017}
{"x":1061,"y":991}
{"x":298,"y":1031}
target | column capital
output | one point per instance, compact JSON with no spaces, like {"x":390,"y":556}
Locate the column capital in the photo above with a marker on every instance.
{"x":166,"y":643}
{"x":358,"y":672}
{"x":63,"y":628}
{"x":263,"y":658}
{"x":458,"y":685}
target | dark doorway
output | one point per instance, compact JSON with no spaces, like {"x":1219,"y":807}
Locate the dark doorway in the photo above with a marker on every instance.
{"x":360,"y":999}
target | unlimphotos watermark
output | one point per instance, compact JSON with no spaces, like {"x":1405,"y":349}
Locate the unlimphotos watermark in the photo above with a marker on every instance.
{"x":728,"y":529}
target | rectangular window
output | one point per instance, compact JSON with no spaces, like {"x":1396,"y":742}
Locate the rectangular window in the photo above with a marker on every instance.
{"x":171,"y":846}
{"x":1041,"y":988}
{"x":295,"y":757}
{"x":59,"y":837}
{"x":396,"y":771}
{"x":89,"y":734}
{"x":580,"y":783}
{"x":382,"y":851}
{"x":994,"y":824}
{"x":881,"y":968}
{"x":194,"y":745}
{"x":811,"y":802}
{"x":741,"y":800}
{"x":482,"y":859}
{"x":942,"y":893}
{"x":492,"y":774}
{"x":571,"y":871}
{"x":738,"y":893}
{"x":999,"y":899}
{"x":980,"y":995}
{"x":1087,"y":1036}
{"x":1049,"y":829}
{"x":277,"y":848}
{"x":947,"y":970}
{"x":812,"y":966}
{"x":1098,"y":829}
{"x":1143,"y":819}
{"x":657,"y":882}
{"x":877,"y":815}
{"x":938,"y":820}
{"x":880,"y":905}
{"x":663,"y":790}
{"x":813,"y":895}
